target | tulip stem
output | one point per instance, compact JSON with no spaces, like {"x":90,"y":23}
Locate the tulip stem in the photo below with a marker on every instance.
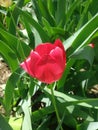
{"x":55,"y":107}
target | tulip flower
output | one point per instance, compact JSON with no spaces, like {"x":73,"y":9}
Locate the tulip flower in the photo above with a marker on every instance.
{"x":47,"y":62}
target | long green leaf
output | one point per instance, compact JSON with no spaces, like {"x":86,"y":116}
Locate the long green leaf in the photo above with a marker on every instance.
{"x":84,"y":33}
{"x":61,"y":82}
{"x":85,"y":11}
{"x":88,"y":126}
{"x":27,"y":116}
{"x":10,"y":39}
{"x":70,"y":10}
{"x":3,"y":124}
{"x":86,"y":53}
{"x":19,"y":47}
{"x":39,"y":114}
{"x":9,"y":90}
{"x":14,"y":17}
{"x":30,"y":34}
{"x":73,"y":100}
{"x":60,"y":15}
{"x":9,"y":55}
{"x":45,"y":12}
{"x":50,"y":4}
{"x":75,"y":41}
{"x":39,"y":28}
{"x":37,"y":11}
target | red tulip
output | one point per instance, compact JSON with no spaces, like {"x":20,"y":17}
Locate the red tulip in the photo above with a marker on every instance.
{"x":46,"y":62}
{"x":91,"y":45}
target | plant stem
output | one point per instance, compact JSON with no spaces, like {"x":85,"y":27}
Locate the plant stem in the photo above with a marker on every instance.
{"x":55,"y":107}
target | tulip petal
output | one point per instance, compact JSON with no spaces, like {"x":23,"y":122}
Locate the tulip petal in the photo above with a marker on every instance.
{"x":47,"y":74}
{"x":59,"y":44}
{"x":57,"y":53}
{"x":35,"y":57}
{"x":29,"y":64}
{"x":48,"y":70}
{"x":25,"y":65}
{"x":44,"y":49}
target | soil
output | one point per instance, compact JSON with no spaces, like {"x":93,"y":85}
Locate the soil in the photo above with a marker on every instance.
{"x":4,"y":75}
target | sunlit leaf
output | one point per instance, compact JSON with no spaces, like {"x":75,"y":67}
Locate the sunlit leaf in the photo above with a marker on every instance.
{"x":27,"y":120}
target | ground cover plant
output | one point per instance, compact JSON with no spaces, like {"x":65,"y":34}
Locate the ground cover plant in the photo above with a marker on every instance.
{"x":51,"y":48}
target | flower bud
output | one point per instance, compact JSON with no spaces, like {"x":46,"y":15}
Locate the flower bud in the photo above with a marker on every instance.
{"x":91,"y":45}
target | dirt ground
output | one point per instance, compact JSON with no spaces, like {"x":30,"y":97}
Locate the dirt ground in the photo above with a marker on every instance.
{"x":4,"y":74}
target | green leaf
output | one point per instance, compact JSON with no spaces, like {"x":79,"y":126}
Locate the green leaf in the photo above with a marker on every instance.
{"x":73,"y":100}
{"x":37,"y":11}
{"x":1,"y":25}
{"x":19,"y":47}
{"x":26,"y":1}
{"x":65,"y":113}
{"x":76,"y":41}
{"x":10,"y":39}
{"x":30,"y":34}
{"x":78,"y":38}
{"x":22,"y":88}
{"x":44,"y":124}
{"x":81,"y":36}
{"x":9,"y":56}
{"x":62,"y":81}
{"x":88,"y":126}
{"x":47,"y":26}
{"x":51,"y":7}
{"x":3,"y":124}
{"x":45,"y":12}
{"x":39,"y":114}
{"x":26,"y":125}
{"x":9,"y":89}
{"x":68,"y":42}
{"x":23,"y":50}
{"x":60,"y":15}
{"x":14,"y":17}
{"x":93,"y":9}
{"x":15,"y":122}
{"x":85,"y":53}
{"x":71,"y":10}
{"x":37,"y":26}
{"x":84,"y":13}
{"x":92,"y":126}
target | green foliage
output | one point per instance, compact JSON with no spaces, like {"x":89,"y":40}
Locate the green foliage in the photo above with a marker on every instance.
{"x":70,"y":103}
{"x":4,"y":124}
